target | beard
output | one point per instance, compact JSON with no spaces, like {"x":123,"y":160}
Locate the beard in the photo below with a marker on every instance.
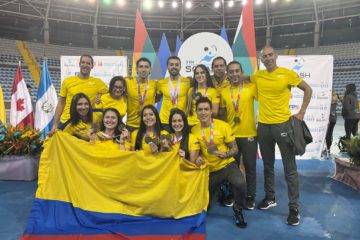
{"x":174,"y":73}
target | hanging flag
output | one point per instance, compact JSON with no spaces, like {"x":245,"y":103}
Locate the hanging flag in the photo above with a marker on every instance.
{"x":223,"y":34}
{"x":2,"y":108}
{"x":142,"y":196}
{"x":163,"y":54}
{"x":244,"y":45}
{"x":21,"y":110}
{"x":46,"y":102}
{"x":178,"y":45}
{"x":143,"y":47}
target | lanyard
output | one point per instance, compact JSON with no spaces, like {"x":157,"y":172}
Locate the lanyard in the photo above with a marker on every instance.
{"x":142,"y":97}
{"x":174,"y":94}
{"x":211,"y":140}
{"x":176,"y":140}
{"x":204,"y":95}
{"x":236,"y":104}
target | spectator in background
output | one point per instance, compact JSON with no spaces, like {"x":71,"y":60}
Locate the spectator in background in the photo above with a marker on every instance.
{"x":350,"y":110}
{"x":71,"y":86}
{"x":332,"y":120}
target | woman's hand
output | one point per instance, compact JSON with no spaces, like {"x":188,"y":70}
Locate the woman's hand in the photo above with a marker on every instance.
{"x":154,"y":148}
{"x":199,"y":161}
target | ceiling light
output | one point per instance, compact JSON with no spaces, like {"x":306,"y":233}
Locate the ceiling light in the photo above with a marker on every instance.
{"x":188,"y":4}
{"x":161,"y":4}
{"x":121,"y":3}
{"x":216,"y":4}
{"x":258,"y":2}
{"x":231,"y":3}
{"x":174,"y":4}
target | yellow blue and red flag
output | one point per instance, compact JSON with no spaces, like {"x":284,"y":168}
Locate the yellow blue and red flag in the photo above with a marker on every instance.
{"x":86,"y":191}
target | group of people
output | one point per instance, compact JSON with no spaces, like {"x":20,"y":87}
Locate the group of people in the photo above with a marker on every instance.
{"x":206,"y":119}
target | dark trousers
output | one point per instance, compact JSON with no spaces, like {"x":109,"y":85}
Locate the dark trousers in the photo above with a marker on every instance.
{"x":351,"y":127}
{"x":268,"y":136}
{"x":329,"y":134}
{"x":248,"y":148}
{"x":232,"y":174}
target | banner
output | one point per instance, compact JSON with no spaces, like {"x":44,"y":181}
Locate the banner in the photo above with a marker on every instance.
{"x":317,"y":71}
{"x":112,"y":194}
{"x":105,"y":67}
{"x":202,"y":48}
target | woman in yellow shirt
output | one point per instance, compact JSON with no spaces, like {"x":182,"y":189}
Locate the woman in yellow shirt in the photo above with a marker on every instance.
{"x":81,"y":117}
{"x":150,"y":136}
{"x":203,"y":87}
{"x":116,"y":98}
{"x":111,"y":129}
{"x":184,"y":142}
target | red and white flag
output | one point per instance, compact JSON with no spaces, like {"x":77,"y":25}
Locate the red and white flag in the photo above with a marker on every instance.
{"x":21,"y":111}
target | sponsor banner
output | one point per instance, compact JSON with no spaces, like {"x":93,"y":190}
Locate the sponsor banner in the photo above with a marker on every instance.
{"x":317,"y":71}
{"x":105,"y":67}
{"x":202,"y":48}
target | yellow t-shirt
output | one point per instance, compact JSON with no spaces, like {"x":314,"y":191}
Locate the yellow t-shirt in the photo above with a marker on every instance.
{"x":222,"y":135}
{"x":133,"y":106}
{"x":192,"y":146}
{"x":274,"y":89}
{"x":108,"y":102}
{"x":74,"y":85}
{"x":81,"y":129}
{"x":163,"y":87}
{"x":211,"y":94}
{"x":246,"y":127}
{"x":220,"y":86}
{"x":144,"y":146}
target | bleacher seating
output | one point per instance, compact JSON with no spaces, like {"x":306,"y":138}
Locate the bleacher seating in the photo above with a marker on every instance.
{"x":346,"y":64}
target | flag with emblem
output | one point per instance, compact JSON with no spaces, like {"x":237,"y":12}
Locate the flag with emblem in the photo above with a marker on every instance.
{"x":21,"y":110}
{"x":46,"y":102}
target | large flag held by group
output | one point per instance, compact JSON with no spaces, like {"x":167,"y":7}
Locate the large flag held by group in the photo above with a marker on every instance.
{"x":21,"y":110}
{"x":244,"y":45}
{"x":46,"y":102}
{"x":87,"y":192}
{"x":2,"y":107}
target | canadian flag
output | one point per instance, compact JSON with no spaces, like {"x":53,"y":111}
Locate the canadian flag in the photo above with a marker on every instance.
{"x":21,"y":111}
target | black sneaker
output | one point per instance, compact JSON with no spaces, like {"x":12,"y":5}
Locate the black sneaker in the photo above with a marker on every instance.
{"x":250,"y":203}
{"x":239,"y":218}
{"x":266,"y":203}
{"x":228,"y":201}
{"x":294,"y":217}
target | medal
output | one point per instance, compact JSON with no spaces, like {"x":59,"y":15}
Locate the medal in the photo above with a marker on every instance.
{"x":174,"y":93}
{"x":196,"y":96}
{"x":236,"y":120}
{"x":211,"y":149}
{"x":237,"y":103}
{"x":142,"y":96}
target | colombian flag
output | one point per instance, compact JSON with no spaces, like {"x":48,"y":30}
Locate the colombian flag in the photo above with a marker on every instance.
{"x":87,"y":191}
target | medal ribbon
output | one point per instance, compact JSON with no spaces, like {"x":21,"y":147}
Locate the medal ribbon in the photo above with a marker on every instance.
{"x":174,"y":94}
{"x":142,"y":97}
{"x":236,"y":105}
{"x":204,"y":95}
{"x":211,"y":140}
{"x":176,"y":140}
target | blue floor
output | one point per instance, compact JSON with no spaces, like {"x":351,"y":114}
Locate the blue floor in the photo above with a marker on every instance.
{"x":329,"y":209}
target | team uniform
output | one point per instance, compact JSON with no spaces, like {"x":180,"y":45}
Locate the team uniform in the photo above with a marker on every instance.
{"x":210,"y":93}
{"x":167,"y":103}
{"x":192,"y":146}
{"x":221,"y":169}
{"x":81,"y":129}
{"x":245,"y":129}
{"x":74,"y":85}
{"x":108,"y":102}
{"x":133,"y":105}
{"x":274,"y":95}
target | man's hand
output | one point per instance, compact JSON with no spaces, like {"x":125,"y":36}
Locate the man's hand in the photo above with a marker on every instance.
{"x":300,"y":115}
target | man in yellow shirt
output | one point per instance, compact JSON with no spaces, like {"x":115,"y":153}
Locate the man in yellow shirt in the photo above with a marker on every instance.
{"x":237,"y":100}
{"x":220,"y":79}
{"x":173,"y":89}
{"x":218,"y":147}
{"x":73,"y":85}
{"x":141,"y":91}
{"x":273,"y":90}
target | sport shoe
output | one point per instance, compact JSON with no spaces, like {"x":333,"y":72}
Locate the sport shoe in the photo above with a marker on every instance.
{"x":228,"y":201}
{"x":239,"y":218}
{"x":250,"y":203}
{"x":294,"y":217}
{"x":267,"y":203}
